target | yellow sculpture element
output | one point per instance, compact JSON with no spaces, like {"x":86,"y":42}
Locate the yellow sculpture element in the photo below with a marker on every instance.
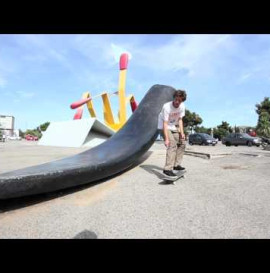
{"x":123,"y":100}
{"x":122,"y":115}
{"x":107,"y":111}
{"x":90,"y":106}
{"x":108,"y":114}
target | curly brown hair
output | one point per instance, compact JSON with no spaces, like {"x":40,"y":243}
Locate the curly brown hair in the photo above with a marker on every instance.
{"x":180,"y":93}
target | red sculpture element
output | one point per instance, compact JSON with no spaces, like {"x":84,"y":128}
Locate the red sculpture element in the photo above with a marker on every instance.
{"x":78,"y":114}
{"x":133,"y":104}
{"x":123,"y":61}
{"x":79,"y":103}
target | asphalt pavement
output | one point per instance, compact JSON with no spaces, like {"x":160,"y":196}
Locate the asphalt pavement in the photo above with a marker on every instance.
{"x":224,"y":195}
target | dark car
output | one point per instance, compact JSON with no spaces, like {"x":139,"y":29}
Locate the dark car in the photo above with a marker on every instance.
{"x":201,"y":139}
{"x":241,"y":139}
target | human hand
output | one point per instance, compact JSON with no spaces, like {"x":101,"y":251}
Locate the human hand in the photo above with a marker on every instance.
{"x":167,"y":143}
{"x":182,"y":136}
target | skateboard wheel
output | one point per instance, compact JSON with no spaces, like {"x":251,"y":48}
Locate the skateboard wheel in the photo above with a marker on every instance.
{"x":184,"y":176}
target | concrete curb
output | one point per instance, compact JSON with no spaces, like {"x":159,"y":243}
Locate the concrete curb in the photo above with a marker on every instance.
{"x":210,"y":156}
{"x":197,"y":154}
{"x":206,"y":155}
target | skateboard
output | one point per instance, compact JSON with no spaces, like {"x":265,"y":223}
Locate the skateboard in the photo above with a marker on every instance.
{"x":170,"y":179}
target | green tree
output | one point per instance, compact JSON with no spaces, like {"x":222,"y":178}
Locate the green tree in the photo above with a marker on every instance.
{"x":202,"y":129}
{"x":264,"y":106}
{"x":263,"y":124}
{"x":43,"y":127}
{"x":191,"y":119}
{"x":226,"y":126}
{"x":222,"y":130}
{"x":21,"y":133}
{"x":36,"y":132}
{"x":263,"y":127}
{"x":33,"y":132}
{"x":220,"y":133}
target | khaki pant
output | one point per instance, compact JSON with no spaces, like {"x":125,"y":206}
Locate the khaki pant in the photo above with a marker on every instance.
{"x":175,"y":151}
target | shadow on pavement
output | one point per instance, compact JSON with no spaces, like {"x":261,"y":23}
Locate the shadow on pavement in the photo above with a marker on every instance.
{"x":157,"y":171}
{"x":86,"y":234}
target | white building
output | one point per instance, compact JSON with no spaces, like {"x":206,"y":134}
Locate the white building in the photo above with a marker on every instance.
{"x":7,"y":125}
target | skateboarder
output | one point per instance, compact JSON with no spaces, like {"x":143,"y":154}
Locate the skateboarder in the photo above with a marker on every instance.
{"x":170,"y":124}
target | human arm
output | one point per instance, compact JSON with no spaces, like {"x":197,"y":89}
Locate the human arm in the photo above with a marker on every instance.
{"x":165,"y":121}
{"x":165,"y":132}
{"x":181,"y":129}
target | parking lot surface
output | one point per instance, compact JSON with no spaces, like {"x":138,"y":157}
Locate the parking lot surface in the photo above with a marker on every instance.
{"x":224,"y":195}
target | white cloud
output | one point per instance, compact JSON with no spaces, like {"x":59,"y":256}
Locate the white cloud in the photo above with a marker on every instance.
{"x":96,"y":48}
{"x":195,"y":53}
{"x":24,"y":94}
{"x":43,"y":48}
{"x":118,"y":50}
{"x":3,"y":82}
{"x":244,"y":77}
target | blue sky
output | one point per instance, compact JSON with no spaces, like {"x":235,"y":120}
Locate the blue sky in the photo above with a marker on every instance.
{"x":224,"y":75}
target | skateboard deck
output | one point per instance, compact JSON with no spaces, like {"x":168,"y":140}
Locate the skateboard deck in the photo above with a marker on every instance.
{"x":171,"y":179}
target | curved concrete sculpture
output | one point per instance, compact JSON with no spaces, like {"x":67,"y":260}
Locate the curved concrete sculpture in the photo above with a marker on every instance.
{"x":113,"y":156}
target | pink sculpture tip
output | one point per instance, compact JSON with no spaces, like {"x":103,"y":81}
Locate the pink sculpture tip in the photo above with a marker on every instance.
{"x":123,"y":61}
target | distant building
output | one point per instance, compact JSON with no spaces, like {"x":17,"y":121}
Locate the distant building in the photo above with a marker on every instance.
{"x":16,"y":133}
{"x":7,"y":125}
{"x":244,"y":129}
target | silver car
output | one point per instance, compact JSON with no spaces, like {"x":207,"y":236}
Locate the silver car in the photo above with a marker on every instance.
{"x":241,"y":139}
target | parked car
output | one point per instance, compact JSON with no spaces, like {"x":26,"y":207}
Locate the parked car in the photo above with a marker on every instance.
{"x":201,"y":139}
{"x":241,"y":139}
{"x":31,"y":137}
